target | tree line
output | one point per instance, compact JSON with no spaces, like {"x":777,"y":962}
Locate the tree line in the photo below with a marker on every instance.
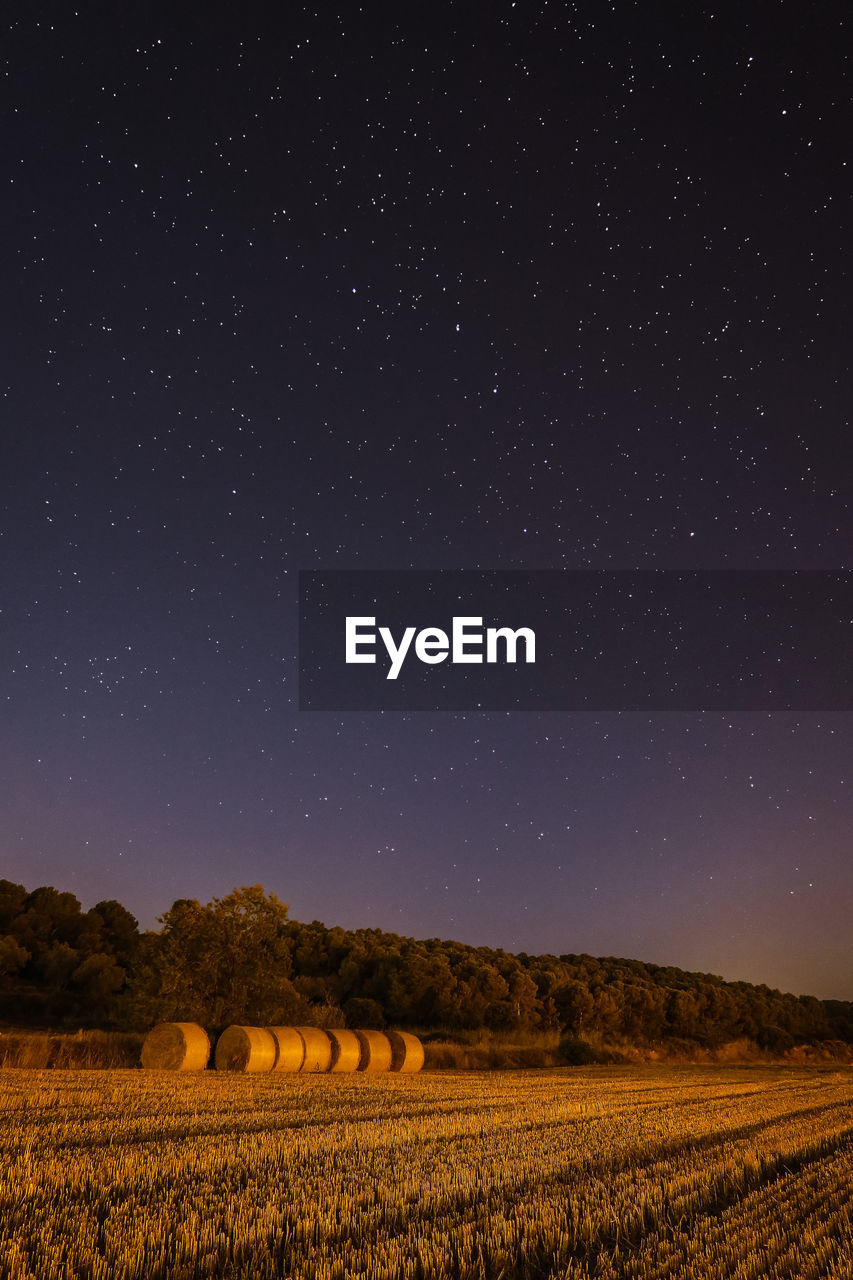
{"x":242,"y":959}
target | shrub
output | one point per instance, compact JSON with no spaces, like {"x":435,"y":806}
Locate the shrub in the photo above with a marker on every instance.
{"x":576,"y":1052}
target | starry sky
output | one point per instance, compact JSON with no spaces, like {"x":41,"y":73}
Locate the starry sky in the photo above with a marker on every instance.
{"x":512,"y":286}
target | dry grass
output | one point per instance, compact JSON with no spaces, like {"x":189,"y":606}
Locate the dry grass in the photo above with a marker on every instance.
{"x":82,"y":1051}
{"x":491,"y":1051}
{"x":614,"y":1173}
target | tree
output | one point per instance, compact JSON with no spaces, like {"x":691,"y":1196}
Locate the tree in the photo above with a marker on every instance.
{"x":98,"y":979}
{"x":12,"y":899}
{"x":119,"y":930}
{"x":363,"y":1012}
{"x":13,"y":956}
{"x":575,"y":1007}
{"x":47,"y":918}
{"x":228,"y":961}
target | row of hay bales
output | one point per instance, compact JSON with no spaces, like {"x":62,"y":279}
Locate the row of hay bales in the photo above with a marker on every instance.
{"x":185,"y":1046}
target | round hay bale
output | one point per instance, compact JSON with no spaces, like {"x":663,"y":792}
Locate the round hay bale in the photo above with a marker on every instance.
{"x":290,"y":1048}
{"x":346,"y":1050}
{"x":318,"y":1049}
{"x":249,"y":1049}
{"x":176,"y":1046}
{"x":375,"y":1051}
{"x":407,"y":1052}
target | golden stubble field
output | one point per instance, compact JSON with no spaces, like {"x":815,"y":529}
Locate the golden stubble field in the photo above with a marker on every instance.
{"x":608,"y":1172}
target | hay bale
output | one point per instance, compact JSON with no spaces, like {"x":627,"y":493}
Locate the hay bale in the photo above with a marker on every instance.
{"x":289,"y":1047}
{"x":176,"y":1046}
{"x":346,"y":1050}
{"x":375,"y":1051}
{"x":249,"y":1049}
{"x":318,"y":1049}
{"x":407,"y":1052}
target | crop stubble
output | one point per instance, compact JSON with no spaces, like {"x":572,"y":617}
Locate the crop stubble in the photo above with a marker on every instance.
{"x":610,"y":1173}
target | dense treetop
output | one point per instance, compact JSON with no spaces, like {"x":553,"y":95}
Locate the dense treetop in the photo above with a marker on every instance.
{"x":241,"y":958}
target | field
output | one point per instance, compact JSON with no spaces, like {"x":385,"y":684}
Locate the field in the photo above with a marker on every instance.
{"x":608,"y":1172}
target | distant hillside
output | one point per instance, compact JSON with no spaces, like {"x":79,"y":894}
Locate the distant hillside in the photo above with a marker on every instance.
{"x":242,"y":959}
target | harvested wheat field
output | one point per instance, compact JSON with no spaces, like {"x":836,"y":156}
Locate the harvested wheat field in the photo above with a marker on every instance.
{"x":609,"y":1172}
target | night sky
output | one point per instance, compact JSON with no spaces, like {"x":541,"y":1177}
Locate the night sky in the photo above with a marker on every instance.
{"x":426,"y":286}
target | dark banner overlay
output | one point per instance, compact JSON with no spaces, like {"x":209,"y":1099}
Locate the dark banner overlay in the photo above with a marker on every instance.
{"x":470,"y":640}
